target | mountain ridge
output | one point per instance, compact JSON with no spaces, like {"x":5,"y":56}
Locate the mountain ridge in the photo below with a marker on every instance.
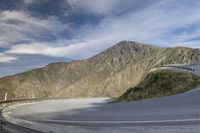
{"x":109,"y":73}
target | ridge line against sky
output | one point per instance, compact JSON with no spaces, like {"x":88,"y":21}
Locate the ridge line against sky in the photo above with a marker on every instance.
{"x":34,"y":33}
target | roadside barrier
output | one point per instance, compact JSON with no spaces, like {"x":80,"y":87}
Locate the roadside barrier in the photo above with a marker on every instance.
{"x":5,"y":125}
{"x":180,"y":67}
{"x":193,"y":68}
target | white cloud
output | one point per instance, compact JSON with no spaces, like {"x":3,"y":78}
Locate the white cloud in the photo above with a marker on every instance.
{"x":18,"y":26}
{"x":93,"y":6}
{"x":38,"y":48}
{"x":28,"y":1}
{"x":57,"y":49}
{"x":6,"y":58}
{"x":154,"y":24}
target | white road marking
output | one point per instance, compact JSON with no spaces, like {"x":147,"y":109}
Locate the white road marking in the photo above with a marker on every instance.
{"x":121,"y":122}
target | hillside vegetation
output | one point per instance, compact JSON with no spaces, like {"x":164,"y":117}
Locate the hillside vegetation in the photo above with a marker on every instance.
{"x":161,"y":83}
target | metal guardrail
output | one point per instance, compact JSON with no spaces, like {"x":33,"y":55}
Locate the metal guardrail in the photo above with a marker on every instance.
{"x":193,"y":68}
{"x":179,"y":67}
{"x":4,"y":125}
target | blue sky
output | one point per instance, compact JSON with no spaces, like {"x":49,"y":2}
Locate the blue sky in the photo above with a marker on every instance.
{"x":34,"y":33}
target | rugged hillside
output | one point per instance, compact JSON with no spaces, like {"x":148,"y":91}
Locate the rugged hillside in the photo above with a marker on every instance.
{"x":161,"y":83}
{"x":109,"y":73}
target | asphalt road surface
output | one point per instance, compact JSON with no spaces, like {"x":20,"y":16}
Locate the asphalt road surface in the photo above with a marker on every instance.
{"x":178,"y":113}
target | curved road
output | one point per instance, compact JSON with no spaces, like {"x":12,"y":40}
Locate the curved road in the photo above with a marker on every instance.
{"x":177,"y":110}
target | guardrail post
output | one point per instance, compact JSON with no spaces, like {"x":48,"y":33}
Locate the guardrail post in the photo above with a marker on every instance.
{"x":6,"y":94}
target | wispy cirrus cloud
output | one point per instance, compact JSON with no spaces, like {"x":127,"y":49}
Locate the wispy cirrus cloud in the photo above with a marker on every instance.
{"x":17,"y":27}
{"x":164,"y":23}
{"x":7,"y":58}
{"x":94,"y":6}
{"x":80,"y":50}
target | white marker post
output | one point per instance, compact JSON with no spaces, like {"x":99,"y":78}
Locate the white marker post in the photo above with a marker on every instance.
{"x":6,"y":94}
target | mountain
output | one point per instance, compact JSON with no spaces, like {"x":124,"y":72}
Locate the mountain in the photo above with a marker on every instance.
{"x":107,"y":74}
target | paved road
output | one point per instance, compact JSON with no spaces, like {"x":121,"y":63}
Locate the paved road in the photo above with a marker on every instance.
{"x":179,"y":110}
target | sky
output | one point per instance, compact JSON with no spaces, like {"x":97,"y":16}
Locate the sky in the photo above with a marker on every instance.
{"x":34,"y":33}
